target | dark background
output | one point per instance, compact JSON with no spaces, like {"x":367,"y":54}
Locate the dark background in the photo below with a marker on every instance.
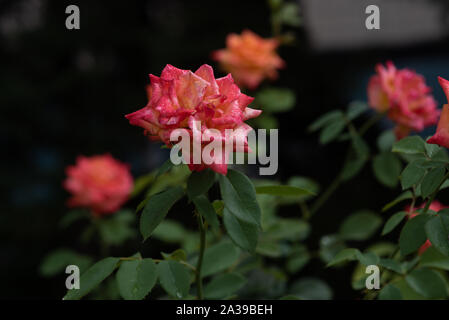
{"x":65,"y":92}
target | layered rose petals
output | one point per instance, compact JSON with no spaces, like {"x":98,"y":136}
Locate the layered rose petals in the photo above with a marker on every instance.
{"x":441,"y":137}
{"x":404,"y":96}
{"x":249,"y":58}
{"x":181,"y":99}
{"x":100,"y":183}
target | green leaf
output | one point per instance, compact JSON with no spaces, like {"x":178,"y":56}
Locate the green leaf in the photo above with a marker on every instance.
{"x":200,"y":182}
{"x":174,"y":278}
{"x":288,"y":229}
{"x":360,"y":226}
{"x":93,"y":277}
{"x":412,"y":234}
{"x":332,"y":131}
{"x":298,"y":259}
{"x":169,"y":231}
{"x":116,"y":229}
{"x":136,"y":278}
{"x":437,"y":232}
{"x":311,"y":289}
{"x":348,"y":254}
{"x":164,"y":168}
{"x":157,"y":208}
{"x":386,"y":140}
{"x":390,"y":292}
{"x":224,"y":285}
{"x":219,"y":257}
{"x":239,"y":196}
{"x":432,"y":258}
{"x":58,"y":260}
{"x":351,"y":254}
{"x":177,"y":255}
{"x":410,"y":145}
{"x":391,"y":265}
{"x":428,"y":283}
{"x":403,"y":196}
{"x":283,"y":191}
{"x":289,"y":14}
{"x":206,"y":209}
{"x":355,"y":109}
{"x":72,"y":216}
{"x":141,"y":183}
{"x":358,"y":156}
{"x":387,"y":168}
{"x":330,"y":246}
{"x":276,"y":99}
{"x":412,"y":175}
{"x":244,"y":234}
{"x":431,"y":181}
{"x":393,"y":221}
{"x":325,"y":120}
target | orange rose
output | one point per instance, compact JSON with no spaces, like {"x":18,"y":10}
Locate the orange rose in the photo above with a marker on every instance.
{"x":249,"y":58}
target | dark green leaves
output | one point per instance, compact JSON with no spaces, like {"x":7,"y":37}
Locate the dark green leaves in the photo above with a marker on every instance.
{"x":387,"y":167}
{"x":239,"y":196}
{"x":244,"y":234}
{"x":431,"y":181}
{"x":136,"y":278}
{"x":58,"y":260}
{"x":93,"y":277}
{"x":393,"y":221}
{"x":390,"y":292}
{"x":360,"y":226}
{"x":200,"y":182}
{"x":351,"y":254}
{"x":224,"y":285}
{"x":219,"y":257}
{"x":206,"y":209}
{"x":412,"y":175}
{"x":283,"y":191}
{"x":174,"y":278}
{"x":413,"y":235}
{"x":410,"y":145}
{"x":427,"y":283}
{"x":157,"y":208}
{"x":437,"y":231}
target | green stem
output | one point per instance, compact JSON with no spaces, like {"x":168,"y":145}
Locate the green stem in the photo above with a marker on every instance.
{"x":325,"y":195}
{"x":199,"y":280}
{"x":319,"y":202}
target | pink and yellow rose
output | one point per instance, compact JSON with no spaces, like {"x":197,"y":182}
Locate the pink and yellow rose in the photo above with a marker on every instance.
{"x":182,"y":99}
{"x":404,"y":96}
{"x":249,"y":58}
{"x":100,"y":183}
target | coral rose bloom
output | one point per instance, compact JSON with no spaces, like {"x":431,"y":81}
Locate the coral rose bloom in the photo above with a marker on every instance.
{"x":100,"y":183}
{"x":182,"y":99}
{"x":249,"y":58}
{"x":441,"y":137}
{"x":404,"y":96}
{"x":434,"y":206}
